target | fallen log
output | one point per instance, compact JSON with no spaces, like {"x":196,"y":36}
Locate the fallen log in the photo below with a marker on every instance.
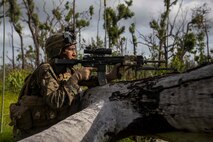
{"x":173,"y":103}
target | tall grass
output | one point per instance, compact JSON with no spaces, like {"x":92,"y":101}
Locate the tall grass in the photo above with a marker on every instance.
{"x":6,"y":135}
{"x":14,"y":82}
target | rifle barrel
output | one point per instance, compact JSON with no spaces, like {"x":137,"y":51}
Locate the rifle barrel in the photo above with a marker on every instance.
{"x":154,"y":68}
{"x":152,"y":61}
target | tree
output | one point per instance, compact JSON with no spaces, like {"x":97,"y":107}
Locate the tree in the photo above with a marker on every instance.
{"x":162,"y":34}
{"x":113,"y":18}
{"x":161,"y":29}
{"x":201,"y":23}
{"x":15,"y":15}
{"x":33,"y":22}
{"x":13,"y":11}
{"x":134,"y":39}
{"x":83,"y":20}
{"x":151,"y":106}
{"x":181,"y":39}
{"x":99,"y":19}
{"x":98,"y":43}
{"x":193,"y":39}
{"x":62,"y":15}
{"x":1,"y":11}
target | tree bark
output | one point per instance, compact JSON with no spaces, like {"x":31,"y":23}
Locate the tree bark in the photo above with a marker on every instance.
{"x":176,"y":102}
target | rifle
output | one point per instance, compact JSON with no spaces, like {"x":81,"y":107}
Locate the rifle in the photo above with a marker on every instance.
{"x":99,"y":58}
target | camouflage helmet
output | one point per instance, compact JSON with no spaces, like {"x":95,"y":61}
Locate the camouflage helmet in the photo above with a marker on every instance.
{"x":55,"y":43}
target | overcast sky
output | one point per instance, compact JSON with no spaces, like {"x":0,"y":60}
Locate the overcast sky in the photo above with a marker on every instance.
{"x":145,"y":11}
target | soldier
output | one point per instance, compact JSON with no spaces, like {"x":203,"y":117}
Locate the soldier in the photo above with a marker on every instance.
{"x":50,"y":93}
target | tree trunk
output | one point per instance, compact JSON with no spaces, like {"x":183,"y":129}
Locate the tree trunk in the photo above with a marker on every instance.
{"x":172,"y":103}
{"x":22,"y":51}
{"x":13,"y":48}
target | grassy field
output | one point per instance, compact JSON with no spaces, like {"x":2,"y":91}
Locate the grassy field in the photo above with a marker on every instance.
{"x":6,"y":135}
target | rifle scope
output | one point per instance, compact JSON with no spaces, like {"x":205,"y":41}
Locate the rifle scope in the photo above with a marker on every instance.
{"x":98,"y":51}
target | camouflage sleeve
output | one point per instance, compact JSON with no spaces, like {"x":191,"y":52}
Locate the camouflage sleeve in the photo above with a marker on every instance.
{"x":56,"y":94}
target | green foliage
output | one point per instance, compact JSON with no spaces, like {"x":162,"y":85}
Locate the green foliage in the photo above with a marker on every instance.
{"x":82,"y":23}
{"x":83,"y":19}
{"x":67,"y":5}
{"x":56,"y":12}
{"x":98,"y":43}
{"x":132,"y":28}
{"x":138,"y":139}
{"x":14,"y":11}
{"x":35,"y":19}
{"x":44,"y":26}
{"x":29,"y":57}
{"x":15,"y":80}
{"x":160,"y":31}
{"x":154,"y":25}
{"x":18,"y":27}
{"x":178,"y":64}
{"x":124,"y":12}
{"x":126,"y":140}
{"x":31,"y":4}
{"x":9,"y":98}
{"x":199,"y":17}
{"x":189,"y":42}
{"x":69,"y":15}
{"x":91,"y":10}
{"x":113,"y":17}
{"x":200,"y":57}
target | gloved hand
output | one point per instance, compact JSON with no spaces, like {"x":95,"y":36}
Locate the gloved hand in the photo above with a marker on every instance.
{"x":79,"y":75}
{"x":114,"y":74}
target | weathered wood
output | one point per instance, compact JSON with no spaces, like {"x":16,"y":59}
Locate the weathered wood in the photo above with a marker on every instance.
{"x":180,"y":102}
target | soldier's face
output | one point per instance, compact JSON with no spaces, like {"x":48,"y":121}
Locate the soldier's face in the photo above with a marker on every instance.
{"x":70,"y":52}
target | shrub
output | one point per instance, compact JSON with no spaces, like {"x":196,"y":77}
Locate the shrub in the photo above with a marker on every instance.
{"x":15,"y":80}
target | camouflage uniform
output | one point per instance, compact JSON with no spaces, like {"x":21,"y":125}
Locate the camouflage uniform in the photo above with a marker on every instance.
{"x":47,"y":97}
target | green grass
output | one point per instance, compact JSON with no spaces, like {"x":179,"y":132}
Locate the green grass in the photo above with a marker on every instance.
{"x":6,"y":135}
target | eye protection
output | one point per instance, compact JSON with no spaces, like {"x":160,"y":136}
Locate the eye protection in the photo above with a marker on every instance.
{"x":69,"y":38}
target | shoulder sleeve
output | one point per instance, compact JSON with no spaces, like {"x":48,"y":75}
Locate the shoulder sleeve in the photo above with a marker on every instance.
{"x":53,"y":91}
